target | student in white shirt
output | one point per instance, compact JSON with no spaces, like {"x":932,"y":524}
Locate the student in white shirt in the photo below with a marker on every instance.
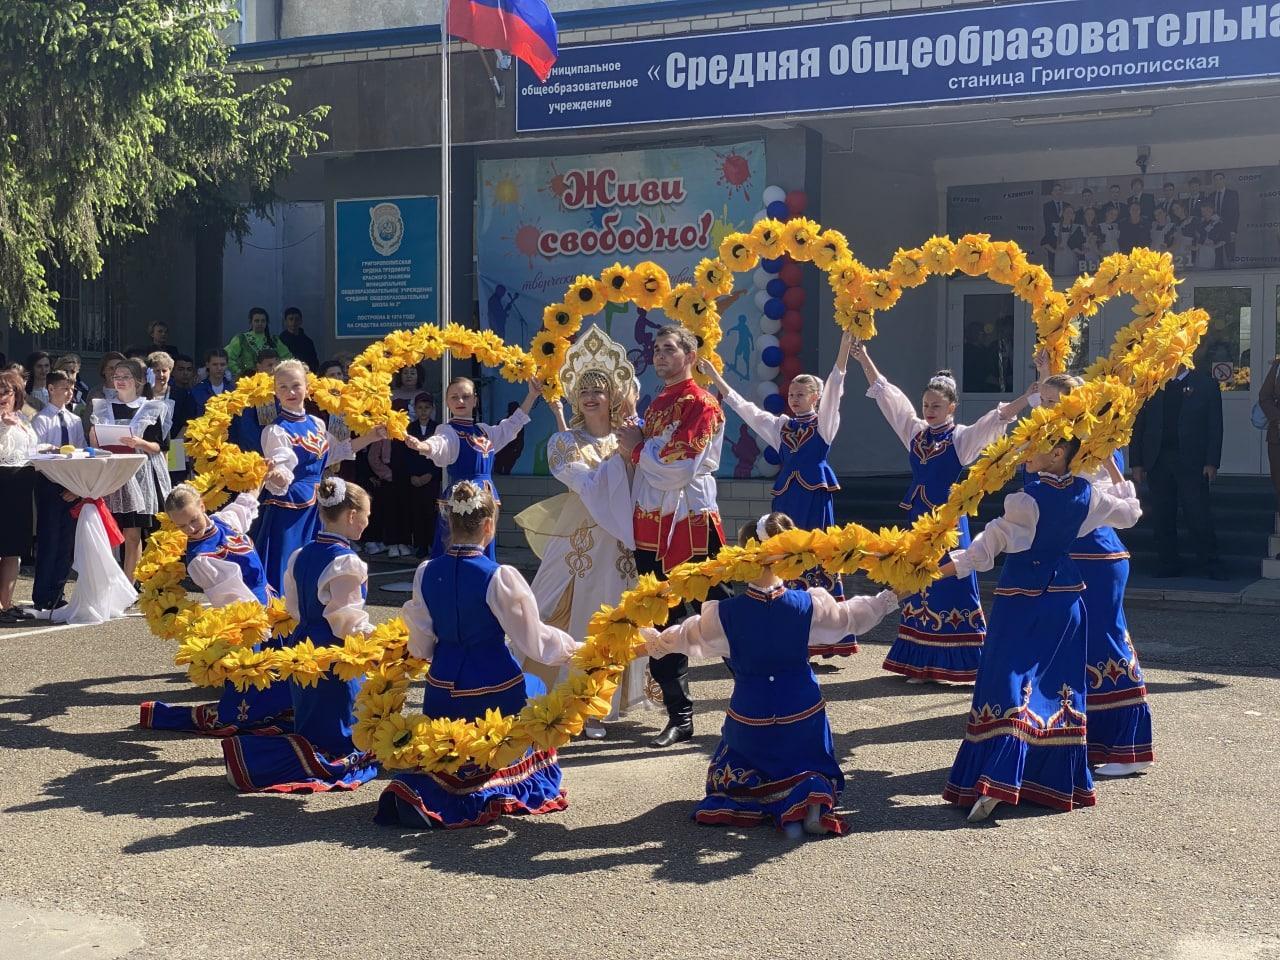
{"x":56,"y":426}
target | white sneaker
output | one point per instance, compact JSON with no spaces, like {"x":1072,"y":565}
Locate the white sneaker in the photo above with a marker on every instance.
{"x":393,"y":551}
{"x":1120,"y":769}
{"x":593,"y":729}
{"x":794,"y":830}
{"x":915,"y":680}
{"x":374,"y":548}
{"x":982,"y":809}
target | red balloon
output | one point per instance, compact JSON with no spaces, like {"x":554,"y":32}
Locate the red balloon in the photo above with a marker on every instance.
{"x":791,"y":368}
{"x":793,"y":299}
{"x":791,"y":274}
{"x":796,"y":201}
{"x":784,"y":385}
{"x":793,"y":320}
{"x":791,"y":341}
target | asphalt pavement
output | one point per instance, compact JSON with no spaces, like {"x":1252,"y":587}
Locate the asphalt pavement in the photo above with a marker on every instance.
{"x":122,"y":842}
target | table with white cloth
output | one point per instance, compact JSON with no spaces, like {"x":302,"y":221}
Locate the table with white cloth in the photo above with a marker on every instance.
{"x":102,"y":591}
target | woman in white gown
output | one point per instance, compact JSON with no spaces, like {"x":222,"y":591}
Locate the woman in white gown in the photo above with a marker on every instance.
{"x":584,"y":537}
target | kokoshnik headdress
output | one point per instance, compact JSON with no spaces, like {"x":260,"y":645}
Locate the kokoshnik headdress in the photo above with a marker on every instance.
{"x":595,"y":352}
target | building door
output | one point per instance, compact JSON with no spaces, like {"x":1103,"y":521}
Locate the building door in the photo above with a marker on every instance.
{"x":1236,"y":352}
{"x":989,"y":345}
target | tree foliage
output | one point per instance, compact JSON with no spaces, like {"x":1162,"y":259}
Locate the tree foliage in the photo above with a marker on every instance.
{"x":112,"y":111}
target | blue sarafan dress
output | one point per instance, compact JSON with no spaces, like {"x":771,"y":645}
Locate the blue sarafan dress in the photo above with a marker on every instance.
{"x":1026,"y":736}
{"x":223,"y":563}
{"x":775,"y":755}
{"x":290,"y":518}
{"x":466,"y":449}
{"x":1119,"y":716}
{"x":941,"y":630}
{"x":462,"y":606}
{"x":324,"y":590}
{"x":805,"y":482}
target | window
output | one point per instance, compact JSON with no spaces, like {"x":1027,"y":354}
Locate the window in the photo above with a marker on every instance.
{"x":1225,"y":351}
{"x":988,"y":343}
{"x":90,"y":312}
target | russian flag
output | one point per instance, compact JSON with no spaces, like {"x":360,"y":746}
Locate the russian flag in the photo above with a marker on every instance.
{"x":523,"y":28}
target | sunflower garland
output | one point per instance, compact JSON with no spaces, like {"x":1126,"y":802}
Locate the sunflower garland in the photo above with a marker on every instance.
{"x":1147,"y":353}
{"x":218,"y":645}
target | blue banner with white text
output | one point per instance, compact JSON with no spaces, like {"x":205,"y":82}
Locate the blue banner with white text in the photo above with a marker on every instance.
{"x":975,"y":53}
{"x":386,"y":265}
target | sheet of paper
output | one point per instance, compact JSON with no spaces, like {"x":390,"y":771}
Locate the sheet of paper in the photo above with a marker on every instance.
{"x":109,"y":434}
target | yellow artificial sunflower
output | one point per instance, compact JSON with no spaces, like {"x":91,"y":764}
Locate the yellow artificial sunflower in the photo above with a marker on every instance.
{"x":800,"y":238}
{"x":738,"y":252}
{"x":616,"y":281}
{"x":832,"y":247}
{"x":768,"y":239}
{"x":648,"y":285}
{"x":587,"y":294}
{"x":713,"y":278}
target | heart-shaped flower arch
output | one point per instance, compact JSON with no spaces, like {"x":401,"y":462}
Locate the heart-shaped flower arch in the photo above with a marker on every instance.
{"x":217,"y":645}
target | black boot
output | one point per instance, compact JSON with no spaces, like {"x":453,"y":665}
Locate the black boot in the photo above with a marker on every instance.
{"x":674,"y":733}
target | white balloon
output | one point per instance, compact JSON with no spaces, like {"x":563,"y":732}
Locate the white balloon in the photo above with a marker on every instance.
{"x":765,"y":389}
{"x":763,"y":341}
{"x":761,"y":279}
{"x":764,"y":372}
{"x":768,"y":325}
{"x":760,"y":215}
{"x":764,"y":468}
{"x":762,"y":297}
{"x":773,"y":194}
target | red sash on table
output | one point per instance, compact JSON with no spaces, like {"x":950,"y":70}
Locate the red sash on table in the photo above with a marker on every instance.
{"x":114,"y":536}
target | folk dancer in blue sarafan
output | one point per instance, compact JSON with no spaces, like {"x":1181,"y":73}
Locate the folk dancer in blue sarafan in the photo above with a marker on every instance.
{"x":805,"y":482}
{"x":466,"y":449}
{"x":1027,"y":731}
{"x":297,"y":447}
{"x":324,"y":590}
{"x":221,"y":561}
{"x":941,"y":629}
{"x":775,"y":763}
{"x":463,"y":605}
{"x":1120,"y":737}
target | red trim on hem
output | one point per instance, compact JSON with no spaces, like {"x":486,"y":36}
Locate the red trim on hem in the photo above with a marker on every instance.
{"x":834,"y":650}
{"x":238,"y":770}
{"x":1112,"y":699}
{"x":1138,"y":753}
{"x":836,"y":825}
{"x":930,"y":673}
{"x":495,"y":808}
{"x":1007,"y":793}
{"x":912,"y":635}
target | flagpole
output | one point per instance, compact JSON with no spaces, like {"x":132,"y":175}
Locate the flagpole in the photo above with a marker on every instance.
{"x":446,"y":204}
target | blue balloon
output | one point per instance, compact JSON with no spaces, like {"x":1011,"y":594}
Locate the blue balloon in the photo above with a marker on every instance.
{"x":774,"y":309}
{"x":771,"y":455}
{"x":776,"y":287}
{"x":772,"y":266}
{"x":778,"y":210}
{"x":775,"y":404}
{"x":771,"y":356}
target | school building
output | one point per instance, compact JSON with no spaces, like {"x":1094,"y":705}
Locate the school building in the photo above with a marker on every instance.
{"x":894,"y":119}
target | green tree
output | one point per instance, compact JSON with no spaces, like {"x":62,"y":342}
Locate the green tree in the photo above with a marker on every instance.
{"x":113,"y":111}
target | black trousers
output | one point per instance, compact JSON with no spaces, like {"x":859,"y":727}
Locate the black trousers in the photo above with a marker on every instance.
{"x":671,"y":673}
{"x":55,"y":544}
{"x":1173,"y":486}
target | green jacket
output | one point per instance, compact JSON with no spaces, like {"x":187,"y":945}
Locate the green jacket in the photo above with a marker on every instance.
{"x":242,"y":352}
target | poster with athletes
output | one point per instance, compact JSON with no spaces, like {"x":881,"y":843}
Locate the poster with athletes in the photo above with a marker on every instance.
{"x":542,"y":221}
{"x":1208,"y":219}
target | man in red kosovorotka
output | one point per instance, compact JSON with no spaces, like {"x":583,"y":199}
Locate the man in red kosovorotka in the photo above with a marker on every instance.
{"x":676,"y":516}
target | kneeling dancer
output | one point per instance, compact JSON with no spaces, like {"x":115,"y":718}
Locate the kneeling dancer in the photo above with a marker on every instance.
{"x":776,"y":762}
{"x":324,"y":590}
{"x":222,"y":562}
{"x":463,"y":605}
{"x":1027,"y":733}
